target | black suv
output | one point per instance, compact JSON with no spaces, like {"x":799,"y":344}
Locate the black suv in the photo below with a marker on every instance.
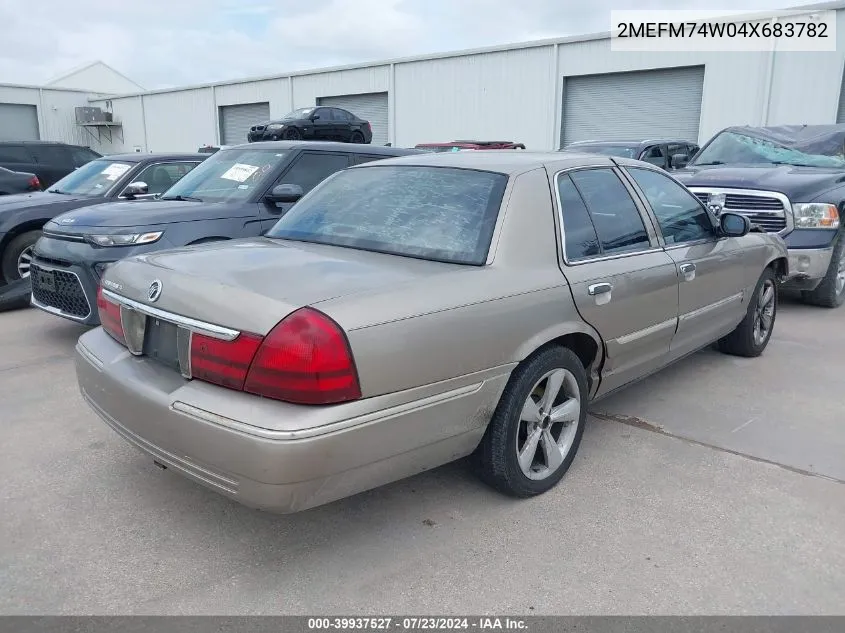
{"x":48,"y":160}
{"x":788,"y":180}
{"x":239,"y":191}
{"x":118,"y":176}
{"x":314,"y":124}
{"x":664,"y":153}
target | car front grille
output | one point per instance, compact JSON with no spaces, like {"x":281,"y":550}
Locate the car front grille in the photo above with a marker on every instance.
{"x":65,"y":294}
{"x":765,"y":209}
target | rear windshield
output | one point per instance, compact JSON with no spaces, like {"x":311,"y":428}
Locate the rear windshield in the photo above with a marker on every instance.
{"x":228,"y":175}
{"x":92,"y":179}
{"x":437,"y":213}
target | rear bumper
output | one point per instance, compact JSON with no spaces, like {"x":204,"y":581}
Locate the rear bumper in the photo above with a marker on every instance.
{"x":272,"y":455}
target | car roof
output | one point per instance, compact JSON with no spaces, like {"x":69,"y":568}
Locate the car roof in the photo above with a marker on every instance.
{"x":137,"y":157}
{"x":503,"y":161}
{"x":44,"y":143}
{"x":631,"y":142}
{"x":327,"y":146}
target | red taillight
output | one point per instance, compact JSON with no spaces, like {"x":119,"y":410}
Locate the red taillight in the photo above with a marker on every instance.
{"x":369,"y":127}
{"x":110,"y":316}
{"x":223,"y":363}
{"x":305,"y":359}
{"x":35,"y":184}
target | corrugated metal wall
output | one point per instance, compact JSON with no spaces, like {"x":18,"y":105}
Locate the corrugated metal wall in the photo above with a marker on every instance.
{"x":491,"y":96}
{"x":514,"y":94}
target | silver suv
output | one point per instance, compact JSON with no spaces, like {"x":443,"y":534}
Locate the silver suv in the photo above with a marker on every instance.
{"x":411,"y":311}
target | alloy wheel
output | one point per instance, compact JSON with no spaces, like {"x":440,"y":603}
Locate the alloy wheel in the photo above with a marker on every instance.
{"x":764,"y":312}
{"x":840,"y":273}
{"x":25,"y":262}
{"x":548,"y":424}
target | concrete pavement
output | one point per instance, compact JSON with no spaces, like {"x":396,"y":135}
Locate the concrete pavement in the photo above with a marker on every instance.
{"x":643,"y":523}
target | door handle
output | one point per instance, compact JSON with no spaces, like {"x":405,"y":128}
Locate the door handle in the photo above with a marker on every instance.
{"x":599,"y":289}
{"x":688,"y":271}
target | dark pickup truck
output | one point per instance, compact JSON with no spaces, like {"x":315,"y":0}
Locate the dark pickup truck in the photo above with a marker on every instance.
{"x":788,"y":180}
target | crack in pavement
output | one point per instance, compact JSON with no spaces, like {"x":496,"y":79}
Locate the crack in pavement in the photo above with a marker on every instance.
{"x":645,"y":425}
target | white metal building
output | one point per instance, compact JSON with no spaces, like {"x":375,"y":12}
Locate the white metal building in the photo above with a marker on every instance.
{"x":543,"y":94}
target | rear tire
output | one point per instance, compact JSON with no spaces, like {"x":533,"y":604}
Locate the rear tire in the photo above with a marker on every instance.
{"x":752,"y":335}
{"x":537,"y":426}
{"x":357,"y":137}
{"x":830,"y":293}
{"x":16,"y":257}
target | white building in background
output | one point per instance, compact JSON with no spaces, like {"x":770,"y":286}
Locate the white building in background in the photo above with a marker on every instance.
{"x":544,"y":94}
{"x":98,"y":77}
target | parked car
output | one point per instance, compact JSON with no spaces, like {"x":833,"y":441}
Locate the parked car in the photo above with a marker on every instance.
{"x":48,"y":160}
{"x":314,"y":124}
{"x":456,"y":146}
{"x":115,"y":177}
{"x":238,"y":192}
{"x":409,"y":312}
{"x":17,"y":182}
{"x":790,"y":180}
{"x":659,"y":152}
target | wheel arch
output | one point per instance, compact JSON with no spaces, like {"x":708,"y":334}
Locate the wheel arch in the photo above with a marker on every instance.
{"x":780,"y":265}
{"x":19,"y":229}
{"x":582,"y":339}
{"x":206,"y":240}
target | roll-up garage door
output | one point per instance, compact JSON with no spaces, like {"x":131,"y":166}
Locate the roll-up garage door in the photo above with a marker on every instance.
{"x":18,"y":122}
{"x":235,"y":121}
{"x":633,"y":105}
{"x":370,"y":107}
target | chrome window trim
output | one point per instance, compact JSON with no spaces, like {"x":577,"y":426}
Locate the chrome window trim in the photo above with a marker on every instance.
{"x":759,"y":193}
{"x":57,"y":311}
{"x":648,"y":224}
{"x":194,"y":325}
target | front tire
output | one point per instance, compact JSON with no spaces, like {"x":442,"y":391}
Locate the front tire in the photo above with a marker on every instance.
{"x":537,"y":426}
{"x":830,"y":293}
{"x":752,"y":335}
{"x":17,"y":257}
{"x":293,"y":134}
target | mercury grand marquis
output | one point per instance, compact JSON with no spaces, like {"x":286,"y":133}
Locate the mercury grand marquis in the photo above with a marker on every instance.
{"x":409,"y":312}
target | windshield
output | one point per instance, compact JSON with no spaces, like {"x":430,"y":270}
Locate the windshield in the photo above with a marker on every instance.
{"x":435,"y":213}
{"x":301,"y":113}
{"x":733,"y":147}
{"x":228,"y":175}
{"x":620,"y":151}
{"x":92,"y":179}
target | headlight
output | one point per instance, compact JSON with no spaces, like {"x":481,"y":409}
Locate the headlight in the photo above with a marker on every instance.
{"x":275,"y":126}
{"x":124,"y":239}
{"x":815,"y":216}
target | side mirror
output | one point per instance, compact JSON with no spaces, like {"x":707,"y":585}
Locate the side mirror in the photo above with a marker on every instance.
{"x":285,"y":193}
{"x":679,"y":161}
{"x":137,"y":188}
{"x":734,"y":224}
{"x":314,"y":117}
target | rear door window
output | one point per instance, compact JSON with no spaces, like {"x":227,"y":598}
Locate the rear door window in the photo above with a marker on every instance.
{"x":57,"y":155}
{"x":360,"y":159}
{"x":615,"y":215}
{"x":580,"y":239}
{"x":15,"y":154}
